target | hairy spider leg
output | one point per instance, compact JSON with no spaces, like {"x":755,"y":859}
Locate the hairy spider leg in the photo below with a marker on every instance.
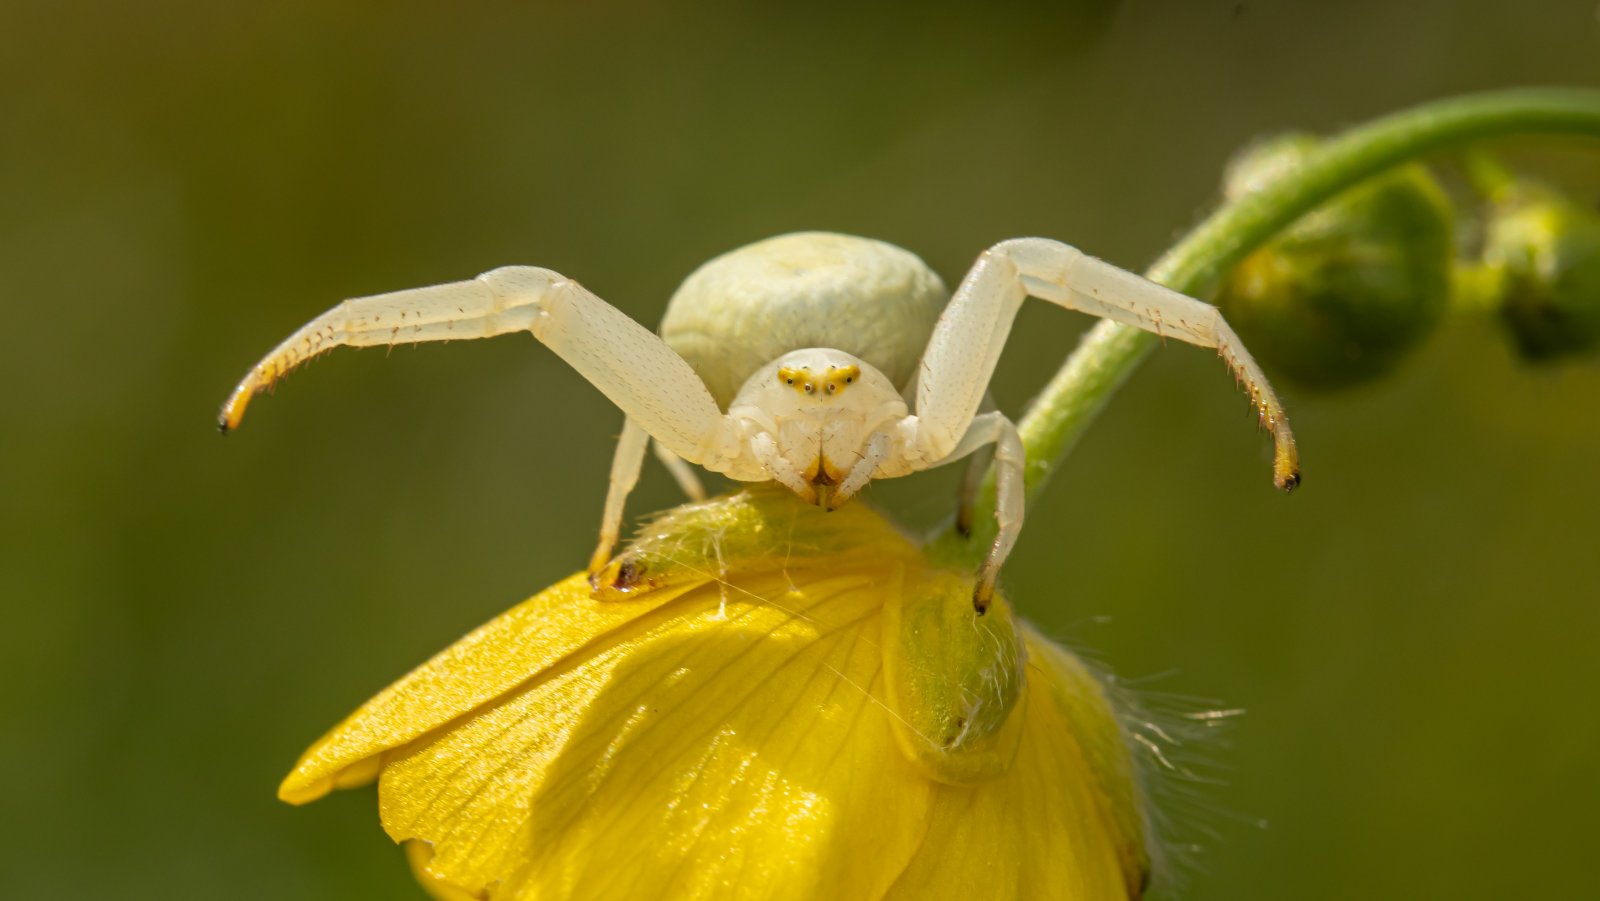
{"x":657,"y":390}
{"x":971,"y":333}
{"x":967,"y":341}
{"x":630,"y":364}
{"x":625,"y":469}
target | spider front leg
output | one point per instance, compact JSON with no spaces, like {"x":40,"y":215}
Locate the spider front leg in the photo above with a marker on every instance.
{"x":1009,"y":460}
{"x":661,"y":395}
{"x":971,"y":333}
{"x":972,"y":481}
{"x":630,"y":364}
{"x":625,"y":467}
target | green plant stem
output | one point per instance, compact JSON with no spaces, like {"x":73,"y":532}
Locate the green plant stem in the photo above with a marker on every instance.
{"x":1109,"y":352}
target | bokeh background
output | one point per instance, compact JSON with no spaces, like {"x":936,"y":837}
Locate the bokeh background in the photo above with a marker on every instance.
{"x":1414,"y":635}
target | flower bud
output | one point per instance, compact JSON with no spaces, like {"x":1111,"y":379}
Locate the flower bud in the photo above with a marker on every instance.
{"x":1341,"y":295}
{"x":1542,"y":252}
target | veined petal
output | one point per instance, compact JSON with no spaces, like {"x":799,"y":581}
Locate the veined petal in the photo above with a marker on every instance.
{"x":739,"y":746}
{"x":487,"y":663}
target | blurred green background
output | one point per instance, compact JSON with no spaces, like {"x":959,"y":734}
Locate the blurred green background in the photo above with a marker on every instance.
{"x":1414,"y":634}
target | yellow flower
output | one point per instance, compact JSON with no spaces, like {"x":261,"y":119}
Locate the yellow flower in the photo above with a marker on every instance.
{"x":762,"y":701}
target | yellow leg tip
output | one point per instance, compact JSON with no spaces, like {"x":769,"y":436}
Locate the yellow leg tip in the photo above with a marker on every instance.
{"x":233,"y":409}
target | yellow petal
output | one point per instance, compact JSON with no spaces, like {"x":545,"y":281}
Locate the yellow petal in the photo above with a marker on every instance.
{"x":420,"y":856}
{"x":488,"y":662}
{"x":740,"y":744}
{"x":1060,"y":823}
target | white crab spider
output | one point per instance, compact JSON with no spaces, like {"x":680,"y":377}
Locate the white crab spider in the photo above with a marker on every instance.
{"x":816,"y":360}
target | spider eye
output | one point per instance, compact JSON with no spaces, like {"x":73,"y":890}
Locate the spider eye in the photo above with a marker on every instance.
{"x":848,"y":379}
{"x":788,"y":381}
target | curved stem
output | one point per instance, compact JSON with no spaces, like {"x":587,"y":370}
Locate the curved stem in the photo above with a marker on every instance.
{"x":1109,"y":352}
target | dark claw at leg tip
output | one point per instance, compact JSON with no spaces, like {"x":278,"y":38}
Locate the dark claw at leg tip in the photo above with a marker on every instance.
{"x":981,"y":599}
{"x":629,"y":575}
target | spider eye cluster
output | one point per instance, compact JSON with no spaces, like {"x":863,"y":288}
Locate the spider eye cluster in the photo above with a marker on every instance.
{"x":831,"y":382}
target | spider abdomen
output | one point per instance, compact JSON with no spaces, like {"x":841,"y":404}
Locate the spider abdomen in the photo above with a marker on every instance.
{"x":746,"y":308}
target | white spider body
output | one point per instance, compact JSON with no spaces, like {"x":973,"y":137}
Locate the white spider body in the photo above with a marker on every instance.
{"x":819,"y":361}
{"x":746,"y":308}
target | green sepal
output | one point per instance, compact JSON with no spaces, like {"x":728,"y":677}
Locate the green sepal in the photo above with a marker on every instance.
{"x":954,"y":677}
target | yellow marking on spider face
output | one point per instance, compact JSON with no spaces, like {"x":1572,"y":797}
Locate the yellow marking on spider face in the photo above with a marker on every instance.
{"x":822,"y":473}
{"x":833,"y":382}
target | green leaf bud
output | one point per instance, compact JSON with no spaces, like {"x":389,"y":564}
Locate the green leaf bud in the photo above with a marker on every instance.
{"x":1341,"y":295}
{"x":1543,"y":253}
